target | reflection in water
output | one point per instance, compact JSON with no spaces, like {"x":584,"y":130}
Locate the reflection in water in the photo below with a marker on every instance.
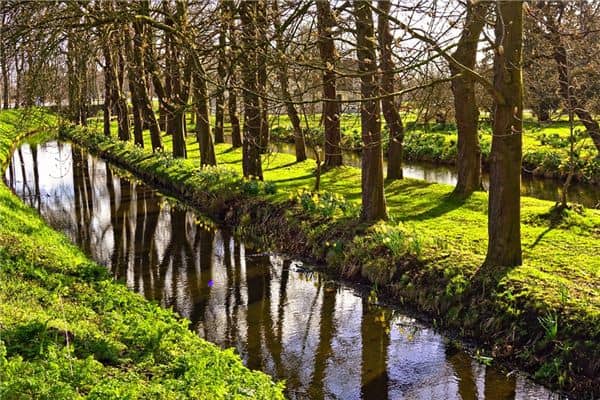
{"x":546,"y":189}
{"x":325,"y":339}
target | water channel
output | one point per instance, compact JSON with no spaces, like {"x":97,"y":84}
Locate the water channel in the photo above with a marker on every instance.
{"x":322,"y":337}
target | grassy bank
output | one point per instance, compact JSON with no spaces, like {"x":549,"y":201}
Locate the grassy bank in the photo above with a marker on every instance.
{"x":544,"y":315}
{"x":545,"y":146}
{"x":68,"y":331}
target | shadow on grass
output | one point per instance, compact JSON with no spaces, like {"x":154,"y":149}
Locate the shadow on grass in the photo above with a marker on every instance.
{"x":555,"y":216}
{"x":292,"y":163}
{"x":448,"y":203}
{"x":296,"y":178}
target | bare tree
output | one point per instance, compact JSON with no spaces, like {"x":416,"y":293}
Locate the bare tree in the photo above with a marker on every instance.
{"x":331,"y":111}
{"x":252,"y":164}
{"x":465,"y":103}
{"x":390,"y":112}
{"x":373,"y":196}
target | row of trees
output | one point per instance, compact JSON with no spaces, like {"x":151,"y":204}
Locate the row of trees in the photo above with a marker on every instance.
{"x":264,"y":55}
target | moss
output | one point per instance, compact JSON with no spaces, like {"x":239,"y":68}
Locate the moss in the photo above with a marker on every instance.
{"x":434,"y":261}
{"x":68,"y":331}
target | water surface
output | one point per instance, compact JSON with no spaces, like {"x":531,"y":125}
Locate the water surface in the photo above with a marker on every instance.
{"x":323,"y":337}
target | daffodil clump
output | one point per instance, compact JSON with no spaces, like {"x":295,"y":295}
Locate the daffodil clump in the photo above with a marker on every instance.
{"x":324,"y":203}
{"x":398,"y":239}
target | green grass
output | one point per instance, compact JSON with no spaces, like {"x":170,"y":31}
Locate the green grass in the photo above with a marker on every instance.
{"x":427,"y":255}
{"x":67,"y":331}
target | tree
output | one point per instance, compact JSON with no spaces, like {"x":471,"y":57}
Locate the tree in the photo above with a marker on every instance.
{"x":140,"y":96}
{"x":221,"y":74}
{"x":4,"y":62}
{"x":504,"y":211}
{"x":390,"y":112}
{"x":331,"y":117}
{"x":262,"y":59}
{"x":283,"y":75}
{"x":232,"y":57}
{"x":553,"y":20}
{"x":373,"y":197}
{"x":468,"y":160}
{"x":203,"y":134}
{"x":252,"y":164}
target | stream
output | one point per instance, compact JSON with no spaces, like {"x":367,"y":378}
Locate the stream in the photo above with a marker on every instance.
{"x":323,"y":337}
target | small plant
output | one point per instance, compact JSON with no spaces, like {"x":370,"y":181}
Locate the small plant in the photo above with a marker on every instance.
{"x":251,"y":187}
{"x":482,"y":358}
{"x":549,"y":323}
{"x":269,"y":188}
{"x":326,"y":204}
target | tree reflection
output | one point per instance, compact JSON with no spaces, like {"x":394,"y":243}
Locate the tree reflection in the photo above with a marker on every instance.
{"x":375,"y":341}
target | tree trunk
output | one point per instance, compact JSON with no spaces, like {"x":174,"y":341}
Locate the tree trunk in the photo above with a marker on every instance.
{"x":4,"y":66}
{"x":262,"y":60}
{"x":284,"y":87}
{"x":138,"y":126}
{"x":108,"y":85}
{"x":19,"y":77}
{"x":221,"y":77}
{"x":236,"y":133}
{"x":120,"y":100}
{"x":468,"y":160}
{"x":504,"y":225}
{"x":331,"y":111}
{"x":145,"y":102}
{"x":134,"y":84}
{"x":251,"y":161}
{"x":373,"y":197}
{"x":203,"y":135}
{"x":219,"y":117}
{"x":179,"y":81}
{"x":390,"y":112}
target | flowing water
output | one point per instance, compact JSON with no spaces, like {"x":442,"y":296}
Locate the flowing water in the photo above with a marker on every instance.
{"x":323,"y":337}
{"x":541,"y":188}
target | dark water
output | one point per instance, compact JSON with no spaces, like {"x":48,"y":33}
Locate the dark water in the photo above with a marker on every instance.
{"x":324,"y":338}
{"x":541,"y":188}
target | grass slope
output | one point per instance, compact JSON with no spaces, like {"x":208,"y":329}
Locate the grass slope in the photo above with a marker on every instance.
{"x":545,"y":314}
{"x":67,"y":331}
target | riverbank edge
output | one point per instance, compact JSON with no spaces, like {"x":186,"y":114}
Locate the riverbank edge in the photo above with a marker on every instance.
{"x":281,"y":226}
{"x":34,"y":257}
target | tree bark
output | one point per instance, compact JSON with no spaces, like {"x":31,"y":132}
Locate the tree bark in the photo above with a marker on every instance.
{"x":4,"y":66}
{"x":221,"y":77}
{"x":331,"y":108}
{"x":373,"y":196}
{"x":262,"y":60}
{"x":251,"y":161}
{"x":108,"y":85}
{"x":145,"y":102}
{"x":284,"y":87}
{"x":233,"y":54}
{"x":390,"y":112}
{"x":504,"y":224}
{"x":119,"y":98}
{"x":203,"y":135}
{"x":468,"y":160}
{"x":236,"y":131}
